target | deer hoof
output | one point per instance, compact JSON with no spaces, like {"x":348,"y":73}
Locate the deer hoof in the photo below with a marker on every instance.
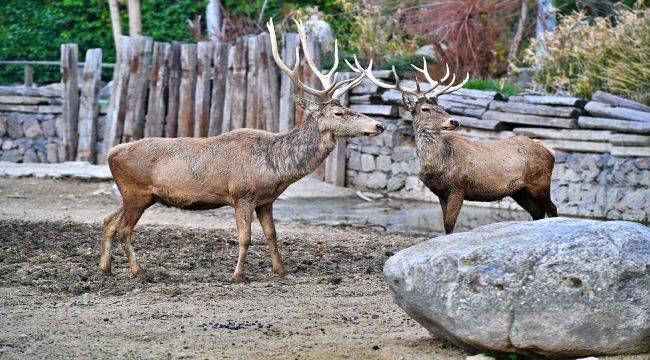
{"x":281,"y":271}
{"x":105,"y":266}
{"x":238,"y":277}
{"x":137,"y":271}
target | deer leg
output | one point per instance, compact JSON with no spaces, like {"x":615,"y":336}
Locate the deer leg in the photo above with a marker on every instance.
{"x":243,"y":217}
{"x":525,"y":200}
{"x":547,"y":204}
{"x":454,"y":203}
{"x":265,"y":216}
{"x":132,"y":212}
{"x":110,"y":229}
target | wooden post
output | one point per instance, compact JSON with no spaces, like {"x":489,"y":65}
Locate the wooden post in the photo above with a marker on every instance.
{"x":220,"y":59}
{"x":335,"y":162}
{"x":187,"y":91}
{"x":252,"y":87}
{"x":136,"y":97}
{"x":202,"y":101}
{"x":69,"y":68}
{"x":89,"y":106}
{"x":235,"y":101}
{"x":29,"y":75}
{"x":174,"y":65}
{"x":268,"y":95}
{"x":307,"y":75}
{"x":287,"y":88}
{"x":158,"y":77}
{"x":117,"y":106}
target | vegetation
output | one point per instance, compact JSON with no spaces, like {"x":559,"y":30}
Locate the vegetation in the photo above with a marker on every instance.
{"x":491,"y":84}
{"x":604,"y":53}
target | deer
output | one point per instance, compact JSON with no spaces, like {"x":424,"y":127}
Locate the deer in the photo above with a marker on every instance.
{"x":246,"y":169}
{"x":457,"y":169}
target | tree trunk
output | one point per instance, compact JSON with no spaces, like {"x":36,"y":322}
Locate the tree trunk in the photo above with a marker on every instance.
{"x":115,"y":22}
{"x":213,"y":20}
{"x":514,"y":47}
{"x":135,"y":22}
{"x":545,"y":24}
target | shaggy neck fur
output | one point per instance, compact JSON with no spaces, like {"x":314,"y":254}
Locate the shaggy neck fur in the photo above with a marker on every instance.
{"x":300,"y":151}
{"x":430,"y":147}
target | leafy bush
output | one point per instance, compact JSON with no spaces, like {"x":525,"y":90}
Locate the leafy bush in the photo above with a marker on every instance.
{"x":34,"y":30}
{"x":610,"y":54}
{"x":491,"y":84}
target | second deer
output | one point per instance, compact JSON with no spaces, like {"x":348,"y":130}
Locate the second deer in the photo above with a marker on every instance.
{"x":245,"y":168}
{"x":456,"y":169}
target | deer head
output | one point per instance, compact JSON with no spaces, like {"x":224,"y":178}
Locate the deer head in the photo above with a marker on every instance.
{"x":331,"y":116}
{"x":421,"y":103}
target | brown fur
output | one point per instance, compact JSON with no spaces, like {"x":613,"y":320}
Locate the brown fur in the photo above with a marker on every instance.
{"x":246,"y":169}
{"x":456,"y":169}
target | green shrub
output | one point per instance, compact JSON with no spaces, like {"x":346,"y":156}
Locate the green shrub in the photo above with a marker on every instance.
{"x":610,"y":54}
{"x":35,"y":29}
{"x":491,"y":84}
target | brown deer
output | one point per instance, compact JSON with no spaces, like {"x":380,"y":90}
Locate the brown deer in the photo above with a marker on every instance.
{"x":245,"y":168}
{"x":456,"y":169}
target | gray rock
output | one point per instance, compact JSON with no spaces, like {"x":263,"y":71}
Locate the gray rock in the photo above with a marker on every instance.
{"x":426,"y":51}
{"x":51,"y":152}
{"x":413,"y":167}
{"x":367,"y":162}
{"x":30,"y":156}
{"x":376,"y":180}
{"x":383,"y":162}
{"x":354,"y":160}
{"x":15,"y":126}
{"x":557,"y":287}
{"x":11,"y":156}
{"x":32,"y":128}
{"x":395,"y":183}
{"x":403,"y":153}
{"x":8,"y":144}
{"x":48,"y":128}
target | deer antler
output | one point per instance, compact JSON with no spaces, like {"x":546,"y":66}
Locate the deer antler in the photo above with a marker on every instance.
{"x":331,"y":89}
{"x":417,"y":92}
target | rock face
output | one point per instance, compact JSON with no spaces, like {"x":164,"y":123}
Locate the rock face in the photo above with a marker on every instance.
{"x":557,"y":287}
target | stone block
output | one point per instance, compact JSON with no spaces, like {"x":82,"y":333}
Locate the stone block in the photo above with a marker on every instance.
{"x":30,"y":156}
{"x":51,"y":152}
{"x":12,"y":155}
{"x":395,"y":182}
{"x":48,"y":128}
{"x":403,"y":153}
{"x":32,"y":128}
{"x":367,"y":162}
{"x":354,"y":160}
{"x":15,"y":126}
{"x":3,"y":126}
{"x":383,"y":163}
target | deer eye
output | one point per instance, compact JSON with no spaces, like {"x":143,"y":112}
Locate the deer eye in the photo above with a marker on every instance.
{"x":338,"y":113}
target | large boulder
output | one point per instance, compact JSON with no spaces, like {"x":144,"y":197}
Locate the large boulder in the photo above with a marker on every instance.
{"x":556,"y":287}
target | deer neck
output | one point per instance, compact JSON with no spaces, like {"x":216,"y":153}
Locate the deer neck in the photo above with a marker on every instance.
{"x":431,"y":149}
{"x":300,"y":151}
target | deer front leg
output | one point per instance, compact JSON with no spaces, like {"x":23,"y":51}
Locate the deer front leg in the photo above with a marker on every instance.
{"x":454,"y":203}
{"x":243,"y":217}
{"x":265,"y":216}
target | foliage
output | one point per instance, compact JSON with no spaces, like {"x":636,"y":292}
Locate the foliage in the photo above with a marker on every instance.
{"x":34,"y":30}
{"x":610,"y":54}
{"x":475,"y":32}
{"x":491,"y":84}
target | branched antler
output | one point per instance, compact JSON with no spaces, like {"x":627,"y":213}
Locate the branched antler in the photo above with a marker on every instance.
{"x":417,"y":92}
{"x":332,"y":89}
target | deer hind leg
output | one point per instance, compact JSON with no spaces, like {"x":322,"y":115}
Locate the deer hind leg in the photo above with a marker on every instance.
{"x":243,"y":217}
{"x":525,"y":200}
{"x":545,"y":202}
{"x":454,"y":203}
{"x":265,"y":216}
{"x":110,"y":229}
{"x":133,"y":209}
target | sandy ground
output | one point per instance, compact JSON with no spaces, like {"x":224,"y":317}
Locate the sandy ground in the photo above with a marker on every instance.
{"x":55,"y":303}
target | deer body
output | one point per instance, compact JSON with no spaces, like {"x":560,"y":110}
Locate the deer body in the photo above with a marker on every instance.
{"x":246,"y":169}
{"x":456,"y":169}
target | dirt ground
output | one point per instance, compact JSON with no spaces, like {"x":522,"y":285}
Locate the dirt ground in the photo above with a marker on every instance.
{"x":55,"y":303}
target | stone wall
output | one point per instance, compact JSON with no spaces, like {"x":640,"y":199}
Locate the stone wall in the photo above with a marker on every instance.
{"x":29,"y":137}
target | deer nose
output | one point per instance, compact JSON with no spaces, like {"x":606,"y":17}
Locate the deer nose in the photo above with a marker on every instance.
{"x":380,"y":128}
{"x":455,"y":123}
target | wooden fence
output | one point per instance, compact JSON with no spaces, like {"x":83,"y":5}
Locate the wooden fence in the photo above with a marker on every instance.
{"x":185,"y":90}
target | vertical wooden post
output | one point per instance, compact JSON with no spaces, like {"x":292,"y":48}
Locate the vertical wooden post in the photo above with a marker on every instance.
{"x":287,"y":88}
{"x":187,"y":90}
{"x":28,"y":75}
{"x":235,"y":101}
{"x":202,"y":101}
{"x":307,"y":75}
{"x":220,"y":59}
{"x":174,"y":65}
{"x":136,"y":97}
{"x":268,"y":86}
{"x":252,"y":112}
{"x":335,"y":162}
{"x":69,"y":67}
{"x":89,"y":106}
{"x":117,"y":105}
{"x":158,"y":77}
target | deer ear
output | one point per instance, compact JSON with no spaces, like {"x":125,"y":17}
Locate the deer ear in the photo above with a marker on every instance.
{"x":308,"y":106}
{"x":409,"y":101}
